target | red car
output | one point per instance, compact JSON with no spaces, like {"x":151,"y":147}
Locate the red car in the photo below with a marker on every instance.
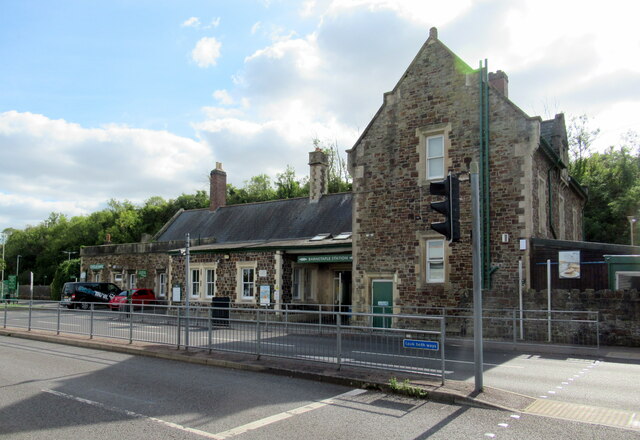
{"x":133,"y":296}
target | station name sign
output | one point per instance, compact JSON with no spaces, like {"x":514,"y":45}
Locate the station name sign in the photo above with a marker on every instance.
{"x":338,"y":258}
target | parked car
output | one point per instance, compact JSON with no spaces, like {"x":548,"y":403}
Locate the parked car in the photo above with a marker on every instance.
{"x":133,"y":296}
{"x":81,"y":295}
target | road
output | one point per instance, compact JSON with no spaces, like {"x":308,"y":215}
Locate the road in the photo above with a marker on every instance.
{"x":52,"y":391}
{"x":572,"y":379}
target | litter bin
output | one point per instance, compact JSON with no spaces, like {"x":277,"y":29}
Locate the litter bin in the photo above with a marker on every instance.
{"x":220,"y":310}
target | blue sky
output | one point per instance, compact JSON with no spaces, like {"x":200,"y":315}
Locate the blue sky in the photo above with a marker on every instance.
{"x":131,"y":99}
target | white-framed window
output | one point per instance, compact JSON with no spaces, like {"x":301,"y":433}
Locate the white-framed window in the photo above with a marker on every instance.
{"x":435,"y":157}
{"x":435,"y":261}
{"x":195,"y":283}
{"x":132,"y":280}
{"x":296,"y":287}
{"x":248,"y":282}
{"x":162,"y":284}
{"x":210,"y":282}
{"x":96,"y":277}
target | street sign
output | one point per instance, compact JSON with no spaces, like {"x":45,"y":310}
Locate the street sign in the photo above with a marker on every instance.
{"x":422,"y":345}
{"x":338,"y":258}
{"x":142,"y":273}
{"x":11,"y":282}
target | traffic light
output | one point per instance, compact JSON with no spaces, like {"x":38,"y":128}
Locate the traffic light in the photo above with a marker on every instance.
{"x":449,"y":207}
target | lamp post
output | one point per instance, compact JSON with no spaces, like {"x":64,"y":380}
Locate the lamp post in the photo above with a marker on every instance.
{"x":69,"y":254}
{"x":17,"y":279}
{"x":632,"y":221}
{"x":3,"y":236}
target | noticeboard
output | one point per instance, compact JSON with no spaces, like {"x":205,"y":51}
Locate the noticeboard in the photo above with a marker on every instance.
{"x":265,"y":295}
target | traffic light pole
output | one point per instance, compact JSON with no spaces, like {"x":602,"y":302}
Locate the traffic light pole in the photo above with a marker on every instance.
{"x":476,"y":233}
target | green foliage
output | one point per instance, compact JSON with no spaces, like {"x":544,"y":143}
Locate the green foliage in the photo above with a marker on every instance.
{"x":44,"y":247}
{"x":406,"y":388}
{"x":66,"y":271}
{"x":612,"y":179}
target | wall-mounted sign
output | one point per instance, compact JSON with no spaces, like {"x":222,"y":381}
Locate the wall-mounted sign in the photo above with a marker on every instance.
{"x":265,"y":295}
{"x":142,"y":273}
{"x":262,"y":273}
{"x":175,"y":294}
{"x":96,"y":266}
{"x":569,"y":264}
{"x":338,"y":258}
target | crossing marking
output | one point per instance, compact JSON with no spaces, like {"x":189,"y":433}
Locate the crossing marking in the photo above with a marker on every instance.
{"x":584,"y":413}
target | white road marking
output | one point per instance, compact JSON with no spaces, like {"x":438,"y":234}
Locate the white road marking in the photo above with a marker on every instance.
{"x":503,"y":425}
{"x":515,"y":416}
{"x":285,"y":415}
{"x":490,"y":435}
{"x":222,"y":435}
{"x":134,"y":414}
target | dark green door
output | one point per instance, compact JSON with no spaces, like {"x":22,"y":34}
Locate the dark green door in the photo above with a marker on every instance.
{"x":382,"y":302}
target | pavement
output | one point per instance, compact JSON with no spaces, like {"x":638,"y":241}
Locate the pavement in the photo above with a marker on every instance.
{"x":452,"y":392}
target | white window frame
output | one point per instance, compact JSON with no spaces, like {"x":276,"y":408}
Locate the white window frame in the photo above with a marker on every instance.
{"x":251,"y":284}
{"x":132,"y":280}
{"x":195,"y":283}
{"x":428,"y":158}
{"x":210,"y":284}
{"x":162,"y":284}
{"x":296,"y":283}
{"x":430,"y":259}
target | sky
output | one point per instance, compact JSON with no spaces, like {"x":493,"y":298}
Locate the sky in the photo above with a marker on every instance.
{"x":132,"y":99}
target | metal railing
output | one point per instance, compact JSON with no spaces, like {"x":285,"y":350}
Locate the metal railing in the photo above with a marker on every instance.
{"x":411,"y":343}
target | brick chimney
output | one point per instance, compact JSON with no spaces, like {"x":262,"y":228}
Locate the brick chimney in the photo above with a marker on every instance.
{"x":218,"y":188}
{"x":500,"y":81}
{"x":318,"y":179}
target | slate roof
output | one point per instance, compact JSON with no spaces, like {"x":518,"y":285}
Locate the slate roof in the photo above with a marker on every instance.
{"x":288,"y":219}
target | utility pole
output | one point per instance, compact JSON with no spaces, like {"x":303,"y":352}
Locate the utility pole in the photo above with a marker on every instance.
{"x":4,"y":238}
{"x":17,"y":279}
{"x":476,"y":233}
{"x":187,"y":282}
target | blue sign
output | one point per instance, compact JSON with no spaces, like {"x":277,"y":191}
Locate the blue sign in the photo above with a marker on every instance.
{"x":423,"y":345}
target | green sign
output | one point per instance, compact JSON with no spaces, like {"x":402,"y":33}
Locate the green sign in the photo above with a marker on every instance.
{"x":142,"y":273}
{"x":96,"y":266}
{"x":339,"y":258}
{"x":11,"y":282}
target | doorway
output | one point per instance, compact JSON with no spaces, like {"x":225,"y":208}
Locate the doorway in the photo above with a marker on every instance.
{"x":382,"y":302}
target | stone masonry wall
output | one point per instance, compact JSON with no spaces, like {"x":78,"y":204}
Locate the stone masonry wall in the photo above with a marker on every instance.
{"x":226,"y":272}
{"x":153,"y":263}
{"x":618,"y":311}
{"x":392,"y":216}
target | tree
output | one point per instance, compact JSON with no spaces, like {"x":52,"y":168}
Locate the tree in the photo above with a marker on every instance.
{"x":338,"y":174}
{"x":580,"y":137}
{"x":613,"y":179}
{"x":288,"y":186}
{"x":68,"y":270}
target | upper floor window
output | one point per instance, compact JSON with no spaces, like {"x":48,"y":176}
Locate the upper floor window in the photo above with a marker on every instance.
{"x":432,"y":148}
{"x":435,"y":157}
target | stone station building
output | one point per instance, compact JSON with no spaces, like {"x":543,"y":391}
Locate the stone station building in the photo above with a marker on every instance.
{"x":374,"y":246}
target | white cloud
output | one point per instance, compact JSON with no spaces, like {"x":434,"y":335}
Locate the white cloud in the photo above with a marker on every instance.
{"x":256,"y":27}
{"x":215,"y":22}
{"x":223,"y":97}
{"x":191,"y":22}
{"x":206,"y":52}
{"x":74,"y":170}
